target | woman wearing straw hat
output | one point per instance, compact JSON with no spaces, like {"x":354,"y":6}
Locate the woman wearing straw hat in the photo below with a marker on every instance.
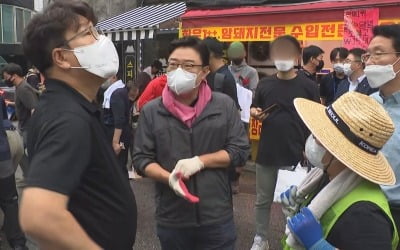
{"x":346,"y":208}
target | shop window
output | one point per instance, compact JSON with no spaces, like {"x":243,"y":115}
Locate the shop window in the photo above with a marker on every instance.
{"x":27,"y":17}
{"x":7,"y":18}
{"x":19,"y":18}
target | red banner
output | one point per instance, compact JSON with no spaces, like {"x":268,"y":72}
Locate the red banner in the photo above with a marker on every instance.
{"x":358,"y":24}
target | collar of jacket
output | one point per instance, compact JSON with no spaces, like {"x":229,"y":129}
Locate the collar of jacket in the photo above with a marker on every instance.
{"x":211,"y":109}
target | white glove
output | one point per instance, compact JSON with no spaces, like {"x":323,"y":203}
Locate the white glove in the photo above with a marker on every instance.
{"x":176,"y":183}
{"x":188,"y":167}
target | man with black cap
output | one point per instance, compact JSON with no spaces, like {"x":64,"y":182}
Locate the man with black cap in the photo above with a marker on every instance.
{"x":220,"y":79}
{"x":312,"y":62}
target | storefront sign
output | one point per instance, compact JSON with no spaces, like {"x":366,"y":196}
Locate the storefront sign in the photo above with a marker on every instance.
{"x":309,"y":31}
{"x":358,"y":24}
{"x":255,"y":129}
{"x":129,"y":67}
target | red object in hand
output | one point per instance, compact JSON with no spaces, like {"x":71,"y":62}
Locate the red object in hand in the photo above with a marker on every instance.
{"x":188,"y":196}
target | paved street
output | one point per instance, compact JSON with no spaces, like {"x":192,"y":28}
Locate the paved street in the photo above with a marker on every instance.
{"x":243,"y":207}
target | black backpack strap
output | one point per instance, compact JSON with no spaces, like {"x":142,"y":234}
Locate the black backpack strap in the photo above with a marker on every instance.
{"x":219,"y":82}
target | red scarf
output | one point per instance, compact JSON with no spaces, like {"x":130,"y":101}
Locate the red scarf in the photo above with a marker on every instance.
{"x":187,"y":114}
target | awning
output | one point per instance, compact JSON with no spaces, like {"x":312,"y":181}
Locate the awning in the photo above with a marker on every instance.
{"x":140,"y":23}
{"x":322,"y":11}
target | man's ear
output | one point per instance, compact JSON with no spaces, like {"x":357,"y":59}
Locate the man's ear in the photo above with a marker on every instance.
{"x":59,"y":58}
{"x":205,"y":71}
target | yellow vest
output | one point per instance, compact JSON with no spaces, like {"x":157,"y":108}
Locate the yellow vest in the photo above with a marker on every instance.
{"x":365,"y":191}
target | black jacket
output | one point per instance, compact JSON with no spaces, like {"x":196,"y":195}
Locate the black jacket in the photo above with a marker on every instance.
{"x":161,"y":138}
{"x":363,"y":88}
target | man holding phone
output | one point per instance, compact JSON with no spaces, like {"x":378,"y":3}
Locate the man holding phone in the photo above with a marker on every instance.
{"x":283,"y":134}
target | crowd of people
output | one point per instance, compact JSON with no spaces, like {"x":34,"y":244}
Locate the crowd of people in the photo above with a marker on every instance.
{"x":78,"y":136}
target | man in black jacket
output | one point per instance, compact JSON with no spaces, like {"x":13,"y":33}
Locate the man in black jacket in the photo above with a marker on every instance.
{"x":220,"y":79}
{"x":357,"y":80}
{"x":330,"y":83}
{"x":116,"y":108}
{"x":186,"y":141}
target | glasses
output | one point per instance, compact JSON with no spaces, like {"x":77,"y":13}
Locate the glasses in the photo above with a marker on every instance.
{"x":186,"y":65}
{"x":376,"y":55}
{"x":91,"y":30}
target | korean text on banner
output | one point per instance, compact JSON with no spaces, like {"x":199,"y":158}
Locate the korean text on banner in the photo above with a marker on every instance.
{"x":255,"y":129}
{"x":307,"y":31}
{"x":358,"y":24}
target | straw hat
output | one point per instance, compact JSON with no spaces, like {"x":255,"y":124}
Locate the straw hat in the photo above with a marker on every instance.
{"x":353,"y":129}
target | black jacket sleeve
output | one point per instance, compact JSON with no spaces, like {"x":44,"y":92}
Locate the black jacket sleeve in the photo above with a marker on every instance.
{"x":118,"y":109}
{"x":343,"y":87}
{"x":257,"y":102}
{"x":323,"y":87}
{"x":230,"y":89}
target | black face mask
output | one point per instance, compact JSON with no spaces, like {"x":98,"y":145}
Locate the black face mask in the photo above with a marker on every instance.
{"x":320,"y":66}
{"x":237,"y":61}
{"x":8,"y":82}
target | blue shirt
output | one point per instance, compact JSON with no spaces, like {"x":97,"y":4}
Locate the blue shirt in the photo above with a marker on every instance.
{"x":391,"y":149}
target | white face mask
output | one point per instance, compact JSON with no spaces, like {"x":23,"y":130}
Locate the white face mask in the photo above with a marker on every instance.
{"x":99,"y":58}
{"x":314,"y":152}
{"x":181,"y":81}
{"x":338,"y":68}
{"x":284,"y":65}
{"x":347,"y":69}
{"x":378,"y":75}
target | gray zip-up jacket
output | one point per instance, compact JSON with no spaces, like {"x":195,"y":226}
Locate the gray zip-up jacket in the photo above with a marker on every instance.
{"x":161,"y":138}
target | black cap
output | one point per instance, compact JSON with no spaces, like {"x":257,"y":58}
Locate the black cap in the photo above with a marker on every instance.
{"x":214,"y":46}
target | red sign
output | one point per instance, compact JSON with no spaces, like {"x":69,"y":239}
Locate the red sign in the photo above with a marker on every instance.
{"x":358,"y":24}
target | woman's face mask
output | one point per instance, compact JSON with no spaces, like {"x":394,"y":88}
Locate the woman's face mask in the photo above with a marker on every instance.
{"x":315,"y":152}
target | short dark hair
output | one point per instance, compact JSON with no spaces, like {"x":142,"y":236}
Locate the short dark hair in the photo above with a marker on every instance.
{"x":214,"y":46}
{"x":343,"y":53}
{"x":157,"y":64}
{"x":287,"y":38}
{"x":391,"y":31}
{"x":13,"y":69}
{"x":311,"y":51}
{"x":357,"y":53}
{"x":194,"y":43}
{"x":46,"y":30}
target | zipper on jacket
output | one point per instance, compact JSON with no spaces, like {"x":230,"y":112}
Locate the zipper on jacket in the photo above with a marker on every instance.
{"x":196,"y":206}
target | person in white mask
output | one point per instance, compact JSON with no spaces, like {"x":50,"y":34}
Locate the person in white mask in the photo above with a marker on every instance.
{"x":356,"y":79}
{"x":382,"y":70}
{"x":283,"y":134}
{"x":185,"y":141}
{"x":330,"y":83}
{"x":77,"y":195}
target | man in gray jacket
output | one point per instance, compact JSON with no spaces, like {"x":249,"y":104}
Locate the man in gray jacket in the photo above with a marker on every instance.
{"x":186,"y":140}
